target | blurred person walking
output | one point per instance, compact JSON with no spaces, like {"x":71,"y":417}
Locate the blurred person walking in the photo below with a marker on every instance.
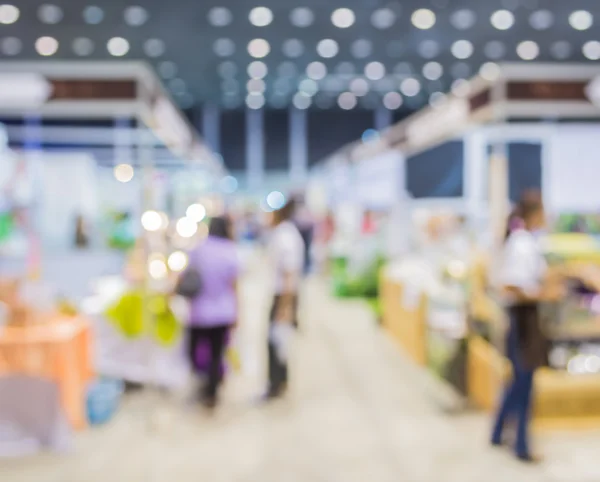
{"x":214,"y":311}
{"x":525,"y":283}
{"x":286,"y":249}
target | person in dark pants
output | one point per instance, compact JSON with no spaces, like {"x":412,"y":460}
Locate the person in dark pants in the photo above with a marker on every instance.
{"x":525,"y":281}
{"x":215,"y":310}
{"x":286,"y":249}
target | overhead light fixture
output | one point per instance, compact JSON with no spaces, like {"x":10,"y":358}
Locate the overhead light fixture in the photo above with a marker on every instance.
{"x":541,"y":19}
{"x":136,"y":16}
{"x":374,"y":71}
{"x":561,"y":50}
{"x":301,"y":101}
{"x":461,"y":88}
{"x":154,"y":47}
{"x":343,"y":18}
{"x":494,"y":50}
{"x":433,"y":70}
{"x":462,"y":49}
{"x":46,"y":46}
{"x":83,"y":46}
{"x":219,"y":16}
{"x":224,"y":47}
{"x":11,"y":46}
{"x":275,"y":200}
{"x":227,"y":69}
{"x":316,"y":70}
{"x":167,"y":69}
{"x":410,"y":87}
{"x":261,"y":16}
{"x":152,"y":221}
{"x":259,"y":48}
{"x":359,"y":87}
{"x":490,"y":71}
{"x":117,"y":46}
{"x":257,"y":70}
{"x":178,"y":261}
{"x":528,"y":50}
{"x":255,"y":101}
{"x":9,"y":14}
{"x":463,"y":19}
{"x":361,"y":48}
{"x":581,"y":20}
{"x":93,"y":15}
{"x":383,"y":18}
{"x":302,"y":17}
{"x":293,"y":48}
{"x":591,"y":50}
{"x":50,"y":14}
{"x":256,"y":86}
{"x":428,"y":49}
{"x":502,"y":19}
{"x":437,"y":99}
{"x":423,"y":19}
{"x":124,"y":173}
{"x":308,"y":87}
{"x":196,"y":212}
{"x":392,"y":100}
{"x":186,"y":227}
{"x":327,"y":48}
{"x":347,"y":101}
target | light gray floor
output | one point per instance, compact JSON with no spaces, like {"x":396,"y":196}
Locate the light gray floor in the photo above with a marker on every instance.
{"x":358,"y":412}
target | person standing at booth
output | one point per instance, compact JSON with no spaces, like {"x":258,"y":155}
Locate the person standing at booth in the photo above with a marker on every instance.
{"x":525,"y":283}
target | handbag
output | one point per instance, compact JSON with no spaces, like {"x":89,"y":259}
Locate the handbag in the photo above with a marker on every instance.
{"x":189,"y":284}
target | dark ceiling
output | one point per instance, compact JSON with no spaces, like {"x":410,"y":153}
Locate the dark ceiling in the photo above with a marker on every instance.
{"x":202,"y":62}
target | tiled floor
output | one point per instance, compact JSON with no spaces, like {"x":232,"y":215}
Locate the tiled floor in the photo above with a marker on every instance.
{"x":358,"y":412}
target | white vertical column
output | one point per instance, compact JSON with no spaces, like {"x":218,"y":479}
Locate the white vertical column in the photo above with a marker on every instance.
{"x":498,"y":182}
{"x":123,"y":141}
{"x":298,"y":145}
{"x":474,"y":177}
{"x":211,"y":126}
{"x":382,"y":119}
{"x":255,"y":148}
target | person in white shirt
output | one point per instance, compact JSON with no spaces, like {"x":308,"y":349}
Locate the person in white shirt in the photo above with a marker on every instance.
{"x":524,"y":281}
{"x":287,"y":251}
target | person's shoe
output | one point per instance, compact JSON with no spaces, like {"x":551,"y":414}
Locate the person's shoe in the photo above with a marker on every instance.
{"x":530,"y":459}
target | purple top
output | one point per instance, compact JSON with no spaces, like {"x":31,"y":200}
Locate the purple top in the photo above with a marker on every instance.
{"x":217,"y":261}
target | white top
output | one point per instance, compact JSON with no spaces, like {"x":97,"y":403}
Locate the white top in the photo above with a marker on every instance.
{"x":523,"y":263}
{"x":286,"y":249}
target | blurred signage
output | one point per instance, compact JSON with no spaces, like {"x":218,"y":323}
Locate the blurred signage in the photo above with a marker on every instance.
{"x":93,"y":89}
{"x":538,"y":90}
{"x":438,"y":122}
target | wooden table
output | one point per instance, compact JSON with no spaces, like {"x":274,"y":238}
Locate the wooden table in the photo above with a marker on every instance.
{"x":58,"y":348}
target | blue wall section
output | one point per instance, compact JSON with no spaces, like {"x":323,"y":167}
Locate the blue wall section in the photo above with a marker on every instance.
{"x":437,"y":172}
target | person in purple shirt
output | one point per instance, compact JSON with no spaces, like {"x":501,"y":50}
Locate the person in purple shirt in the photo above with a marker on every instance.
{"x":215,"y":310}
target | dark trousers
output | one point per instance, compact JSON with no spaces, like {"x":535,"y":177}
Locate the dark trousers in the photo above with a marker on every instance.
{"x":517,"y":397}
{"x":216,"y":338}
{"x":278,"y":369}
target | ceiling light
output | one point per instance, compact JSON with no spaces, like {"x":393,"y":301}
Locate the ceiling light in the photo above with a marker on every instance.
{"x":383,"y":18}
{"x":260,"y":16}
{"x":154,"y":47}
{"x":50,"y":14}
{"x":258,"y":48}
{"x":301,"y":101}
{"x":591,"y":50}
{"x":374,"y":70}
{"x":275,"y":200}
{"x":502,"y":19}
{"x":490,"y":71}
{"x":93,"y":15}
{"x":256,"y":86}
{"x":392,"y":100}
{"x":494,"y":50}
{"x":255,"y":101}
{"x":219,"y":16}
{"x":361,"y":48}
{"x":423,"y":18}
{"x":123,"y":173}
{"x":359,"y":87}
{"x":581,"y":20}
{"x":135,"y":16}
{"x":461,"y":88}
{"x":118,"y":46}
{"x":428,"y":49}
{"x":11,"y":46}
{"x":347,"y":101}
{"x":462,"y":49}
{"x":463,"y":19}
{"x":308,"y":87}
{"x":333,"y":84}
{"x":83,"y":46}
{"x":561,"y":50}
{"x":196,"y":212}
{"x":257,"y":70}
{"x":227,"y":69}
{"x":437,"y":99}
{"x":403,"y":68}
{"x":167,"y":69}
{"x":230,"y":87}
{"x":327,"y":48}
{"x":302,"y":17}
{"x":343,"y":18}
{"x":186,"y":227}
{"x":152,"y":221}
{"x":293,"y":48}
{"x":345,"y":68}
{"x":528,"y":50}
{"x":9,"y":14}
{"x":287,"y":69}
{"x":46,"y":46}
{"x":316,"y":70}
{"x":541,"y":19}
{"x":410,"y":87}
{"x":433,"y":70}
{"x":224,"y":47}
{"x":460,"y":70}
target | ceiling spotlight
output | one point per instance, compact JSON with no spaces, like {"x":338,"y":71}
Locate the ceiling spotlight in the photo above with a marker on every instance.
{"x":403,"y":68}
{"x":50,"y":14}
{"x":308,"y":87}
{"x":502,"y":19}
{"x":293,"y":48}
{"x":9,"y":14}
{"x":118,"y":46}
{"x":461,"y":88}
{"x":528,"y":50}
{"x":433,"y":70}
{"x":460,"y":70}
{"x":581,"y":20}
{"x":224,"y":47}
{"x":301,"y":101}
{"x":316,"y":70}
{"x":410,"y":87}
{"x":490,"y":71}
{"x":374,"y":71}
{"x":154,"y":47}
{"x":392,"y":100}
{"x":260,"y":16}
{"x":259,"y":48}
{"x":255,"y":101}
{"x":591,"y":50}
{"x":423,"y":18}
{"x":152,"y":221}
{"x":347,"y":101}
{"x":462,"y":49}
{"x":428,"y":49}
{"x":46,"y":46}
{"x":327,"y":48}
{"x":345,"y":68}
{"x":256,"y":86}
{"x":287,"y":69}
{"x":275,"y":200}
{"x":561,"y":50}
{"x":343,"y":18}
{"x":123,"y":173}
{"x":302,"y":17}
{"x":83,"y":46}
{"x":11,"y":46}
{"x":383,"y":18}
{"x":463,"y":19}
{"x":437,"y":99}
{"x":361,"y":48}
{"x":186,"y":227}
{"x":167,"y":69}
{"x":494,"y":50}
{"x":541,"y":19}
{"x":219,"y":16}
{"x":135,"y":16}
{"x":93,"y":15}
{"x":227,"y":69}
{"x":359,"y":87}
{"x":257,"y":70}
